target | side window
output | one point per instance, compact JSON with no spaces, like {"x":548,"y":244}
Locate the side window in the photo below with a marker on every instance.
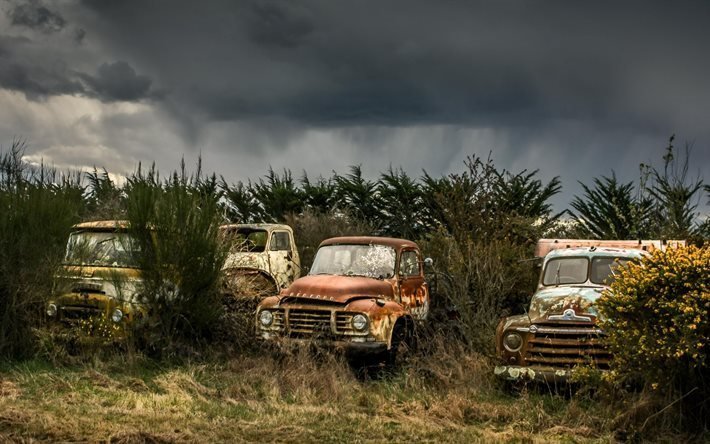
{"x":409,"y":264}
{"x":280,"y":241}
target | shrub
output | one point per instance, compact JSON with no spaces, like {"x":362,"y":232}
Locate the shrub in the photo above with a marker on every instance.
{"x":657,"y":322}
{"x":37,"y":210}
{"x":488,"y":221}
{"x":476,"y":283}
{"x":175,"y":224}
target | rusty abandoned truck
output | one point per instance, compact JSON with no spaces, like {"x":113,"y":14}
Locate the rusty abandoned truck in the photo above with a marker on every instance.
{"x":560,"y":330}
{"x":363,"y":296}
{"x":98,"y":278}
{"x":262,"y":259}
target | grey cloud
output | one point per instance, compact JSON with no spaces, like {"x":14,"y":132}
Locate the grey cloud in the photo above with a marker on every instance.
{"x":26,"y":68}
{"x":326,"y":63}
{"x":36,"y":82}
{"x":34,"y":15}
{"x":79,"y":35}
{"x":279,"y":24}
{"x":118,"y":81}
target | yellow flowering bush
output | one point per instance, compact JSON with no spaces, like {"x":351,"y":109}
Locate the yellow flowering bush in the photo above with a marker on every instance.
{"x":657,"y":317}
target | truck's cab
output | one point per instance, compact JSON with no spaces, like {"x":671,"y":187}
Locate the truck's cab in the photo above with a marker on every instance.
{"x":262,"y":260}
{"x":560,"y":330}
{"x":99,"y":278}
{"x":363,"y":295}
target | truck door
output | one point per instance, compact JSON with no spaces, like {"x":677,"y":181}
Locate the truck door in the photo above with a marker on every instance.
{"x":413,"y":289}
{"x":282,"y":257}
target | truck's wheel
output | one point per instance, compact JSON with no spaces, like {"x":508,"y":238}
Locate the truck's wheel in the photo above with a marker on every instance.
{"x":401,"y":346}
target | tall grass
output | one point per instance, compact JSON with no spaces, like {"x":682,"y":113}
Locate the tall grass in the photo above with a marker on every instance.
{"x":37,"y":209}
{"x":175,"y":224}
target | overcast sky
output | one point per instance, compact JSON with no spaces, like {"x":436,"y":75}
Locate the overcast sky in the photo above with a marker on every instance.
{"x":574,"y":89}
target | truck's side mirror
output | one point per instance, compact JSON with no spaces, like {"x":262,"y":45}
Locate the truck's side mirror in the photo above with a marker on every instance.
{"x":428,"y":262}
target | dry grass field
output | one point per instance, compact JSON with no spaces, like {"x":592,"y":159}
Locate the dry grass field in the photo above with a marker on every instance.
{"x":446,"y":397}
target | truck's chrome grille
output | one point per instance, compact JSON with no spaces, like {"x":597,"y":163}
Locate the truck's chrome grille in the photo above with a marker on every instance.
{"x":343,"y":324}
{"x":278,"y":322}
{"x":309,"y":322}
{"x":567,"y":346}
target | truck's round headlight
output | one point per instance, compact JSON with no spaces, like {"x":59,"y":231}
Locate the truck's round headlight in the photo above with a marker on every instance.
{"x":51,"y":310}
{"x":116,"y":316}
{"x":266,"y":318}
{"x":359,"y":322}
{"x":512,"y":342}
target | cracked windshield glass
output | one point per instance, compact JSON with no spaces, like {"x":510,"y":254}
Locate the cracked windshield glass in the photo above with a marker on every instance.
{"x":374,"y":261}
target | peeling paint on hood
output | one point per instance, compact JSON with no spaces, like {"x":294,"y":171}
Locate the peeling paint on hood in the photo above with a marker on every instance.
{"x":555,"y":300}
{"x":339,"y":288}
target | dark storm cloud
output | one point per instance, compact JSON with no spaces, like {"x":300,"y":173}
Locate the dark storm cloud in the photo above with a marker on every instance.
{"x":33,"y":14}
{"x":35,"y":80}
{"x":79,"y":35}
{"x":572,"y":88}
{"x":279,"y":24}
{"x":118,"y":82}
{"x":38,"y":76}
{"x":330,"y":63}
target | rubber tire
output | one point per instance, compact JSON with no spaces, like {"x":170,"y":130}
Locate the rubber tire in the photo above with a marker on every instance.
{"x":400,"y":345}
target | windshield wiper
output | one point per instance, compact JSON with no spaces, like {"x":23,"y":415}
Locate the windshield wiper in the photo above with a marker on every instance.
{"x":105,"y":240}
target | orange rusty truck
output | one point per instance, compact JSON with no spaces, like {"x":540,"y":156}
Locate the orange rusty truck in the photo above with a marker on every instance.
{"x":363,"y":295}
{"x":560,"y":330}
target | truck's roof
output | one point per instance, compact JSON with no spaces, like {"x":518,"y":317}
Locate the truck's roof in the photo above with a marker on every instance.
{"x":267,"y":227}
{"x":102,"y":225}
{"x":596,"y":252}
{"x":544,"y":246}
{"x":370,"y":240}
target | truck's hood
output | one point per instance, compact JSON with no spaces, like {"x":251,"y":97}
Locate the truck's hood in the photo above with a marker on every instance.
{"x":255,"y":261}
{"x":339,"y":289}
{"x":88,"y":271}
{"x":557,"y":301}
{"x":73,"y":283}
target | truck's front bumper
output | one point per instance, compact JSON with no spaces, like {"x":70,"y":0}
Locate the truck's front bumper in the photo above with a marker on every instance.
{"x":538,"y":374}
{"x":350,"y":349}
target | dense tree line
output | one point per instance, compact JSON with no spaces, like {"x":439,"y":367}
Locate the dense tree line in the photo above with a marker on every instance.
{"x":479,"y":224}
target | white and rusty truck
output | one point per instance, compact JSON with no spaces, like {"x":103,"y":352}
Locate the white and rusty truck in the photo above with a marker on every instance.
{"x":560,"y":330}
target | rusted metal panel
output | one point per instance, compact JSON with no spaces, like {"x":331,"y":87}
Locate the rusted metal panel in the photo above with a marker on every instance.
{"x":395,"y":243}
{"x":323,"y":306}
{"x":255,"y":250}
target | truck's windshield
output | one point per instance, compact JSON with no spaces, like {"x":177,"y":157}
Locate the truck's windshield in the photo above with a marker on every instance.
{"x":248,"y":240}
{"x":101,"y":249}
{"x":575,"y":270}
{"x":604,"y":269}
{"x":375,"y":261}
